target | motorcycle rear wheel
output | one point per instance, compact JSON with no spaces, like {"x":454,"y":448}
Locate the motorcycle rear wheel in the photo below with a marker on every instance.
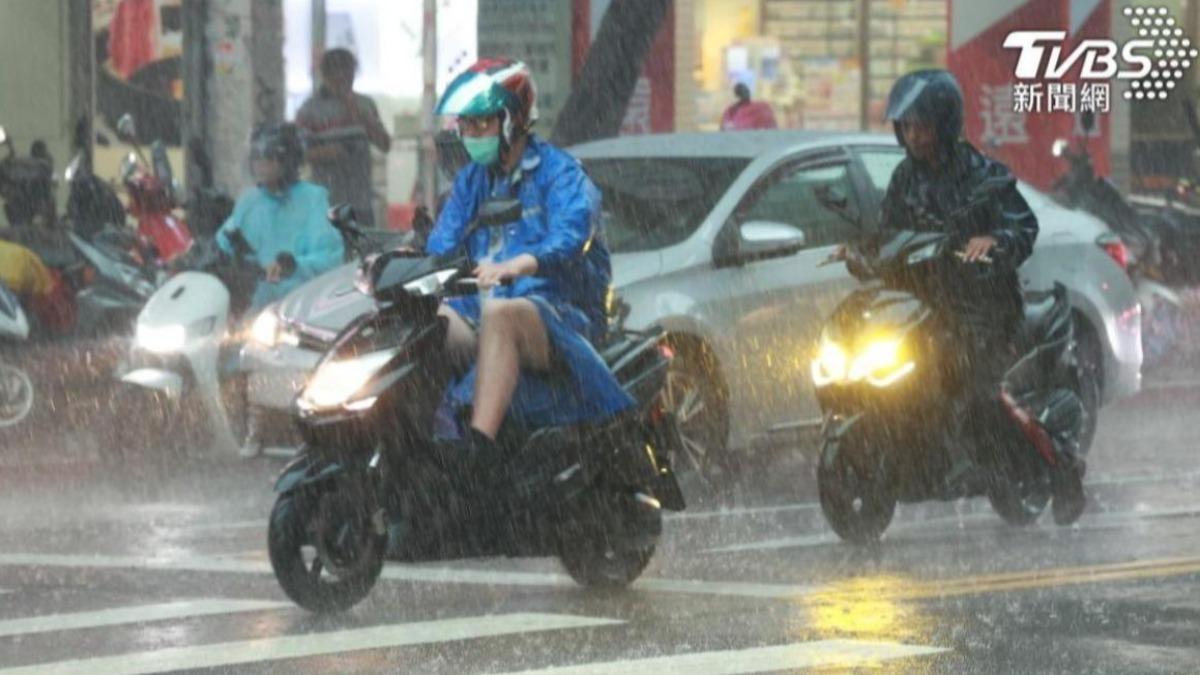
{"x":857,"y":504}
{"x":325,"y":561}
{"x":1021,"y":503}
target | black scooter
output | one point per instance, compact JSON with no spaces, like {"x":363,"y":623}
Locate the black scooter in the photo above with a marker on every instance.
{"x":370,"y":482}
{"x":890,"y":392}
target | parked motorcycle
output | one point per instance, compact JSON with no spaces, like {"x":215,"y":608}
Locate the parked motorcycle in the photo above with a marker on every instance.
{"x":890,"y":388}
{"x":1141,"y":245}
{"x":16,"y":387}
{"x":370,"y":482}
{"x":161,"y":236}
{"x":104,"y":287}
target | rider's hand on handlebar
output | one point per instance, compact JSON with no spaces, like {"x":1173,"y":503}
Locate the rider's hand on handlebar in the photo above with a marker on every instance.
{"x":494,"y":274}
{"x":978,"y":248}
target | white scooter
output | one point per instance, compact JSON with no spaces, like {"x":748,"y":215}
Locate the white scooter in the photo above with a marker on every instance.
{"x":16,"y":387}
{"x":176,"y":362}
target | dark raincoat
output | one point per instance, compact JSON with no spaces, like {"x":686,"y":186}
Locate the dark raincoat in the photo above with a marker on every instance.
{"x":986,"y":315}
{"x":560,"y":227}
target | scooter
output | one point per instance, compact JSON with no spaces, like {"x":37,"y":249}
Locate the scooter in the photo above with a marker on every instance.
{"x":182,"y":339}
{"x":891,"y":395}
{"x":16,"y":387}
{"x":104,"y":287}
{"x":370,"y":482}
{"x":161,"y":236}
{"x":1141,"y":245}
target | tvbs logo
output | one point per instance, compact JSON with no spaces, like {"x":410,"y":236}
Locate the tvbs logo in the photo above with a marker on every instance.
{"x":1155,"y":60}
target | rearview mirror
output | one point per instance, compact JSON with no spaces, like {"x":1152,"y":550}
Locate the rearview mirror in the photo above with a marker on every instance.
{"x":341,"y":215}
{"x":127,"y":129}
{"x":760,"y":239}
{"x":495,"y":212}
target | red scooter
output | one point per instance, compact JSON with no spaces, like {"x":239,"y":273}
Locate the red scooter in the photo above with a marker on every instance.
{"x":161,"y":236}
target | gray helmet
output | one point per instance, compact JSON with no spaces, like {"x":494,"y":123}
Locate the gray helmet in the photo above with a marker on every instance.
{"x":281,"y":143}
{"x":929,"y":95}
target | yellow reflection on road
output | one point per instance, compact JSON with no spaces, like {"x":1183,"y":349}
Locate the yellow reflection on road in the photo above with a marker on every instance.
{"x":866,"y":607}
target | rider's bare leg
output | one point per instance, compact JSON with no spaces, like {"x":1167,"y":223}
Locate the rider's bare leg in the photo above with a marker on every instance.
{"x":511,"y":337}
{"x":461,"y":341}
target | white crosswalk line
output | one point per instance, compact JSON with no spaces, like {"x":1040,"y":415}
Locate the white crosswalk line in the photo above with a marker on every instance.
{"x":136,"y":614}
{"x":825,"y":653}
{"x":409,"y":573}
{"x":315,"y":644}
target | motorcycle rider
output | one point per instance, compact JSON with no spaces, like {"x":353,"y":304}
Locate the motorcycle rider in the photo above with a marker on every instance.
{"x":283,"y":218}
{"x":545,"y":277}
{"x":285,"y":221}
{"x":936,"y":177}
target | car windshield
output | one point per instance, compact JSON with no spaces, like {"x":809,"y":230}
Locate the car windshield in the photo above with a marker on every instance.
{"x":654,"y":202}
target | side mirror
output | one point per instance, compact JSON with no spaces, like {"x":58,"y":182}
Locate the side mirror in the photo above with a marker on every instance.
{"x":127,"y":129}
{"x":1059,"y":148}
{"x":761,"y":239}
{"x":495,"y":212}
{"x":341,"y":215}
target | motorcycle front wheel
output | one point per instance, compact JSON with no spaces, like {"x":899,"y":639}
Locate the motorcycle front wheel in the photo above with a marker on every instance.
{"x":326,"y":551}
{"x":856,"y":496}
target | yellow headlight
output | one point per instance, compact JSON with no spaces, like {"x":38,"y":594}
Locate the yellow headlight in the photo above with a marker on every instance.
{"x":881,"y":363}
{"x":830,"y":364}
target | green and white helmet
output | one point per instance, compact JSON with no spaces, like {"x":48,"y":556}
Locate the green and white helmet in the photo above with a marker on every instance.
{"x":494,"y":87}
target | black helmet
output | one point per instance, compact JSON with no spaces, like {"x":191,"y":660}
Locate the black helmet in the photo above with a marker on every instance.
{"x":281,"y":143}
{"x":930,"y":95}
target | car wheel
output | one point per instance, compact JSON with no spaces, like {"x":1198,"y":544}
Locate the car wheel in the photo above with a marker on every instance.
{"x":694,"y":394}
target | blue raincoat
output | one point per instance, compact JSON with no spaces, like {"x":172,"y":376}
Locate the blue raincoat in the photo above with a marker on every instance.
{"x":295,"y":222}
{"x":560,"y":227}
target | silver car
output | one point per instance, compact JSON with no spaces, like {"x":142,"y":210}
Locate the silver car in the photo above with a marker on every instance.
{"x":717,"y":238}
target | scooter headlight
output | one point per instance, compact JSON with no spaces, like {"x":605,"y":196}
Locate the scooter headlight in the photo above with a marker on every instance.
{"x":161,"y":339}
{"x":881,"y":362}
{"x":335,"y":382}
{"x":830,"y":365}
{"x":265,"y":329}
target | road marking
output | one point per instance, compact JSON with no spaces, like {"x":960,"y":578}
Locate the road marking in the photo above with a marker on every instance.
{"x":260,"y":523}
{"x":824,"y":653}
{"x":315,"y":644}
{"x":138,"y":614}
{"x":406,"y":573}
{"x":747,"y":511}
{"x":915,"y":588}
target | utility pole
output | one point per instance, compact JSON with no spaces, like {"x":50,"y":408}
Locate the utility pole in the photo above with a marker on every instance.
{"x":195,"y":68}
{"x":864,"y":60}
{"x":428,"y":172}
{"x":318,"y":40}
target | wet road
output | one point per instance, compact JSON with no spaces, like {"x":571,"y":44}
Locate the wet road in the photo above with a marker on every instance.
{"x":99,"y":579}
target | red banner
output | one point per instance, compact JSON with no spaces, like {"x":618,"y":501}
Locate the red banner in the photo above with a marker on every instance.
{"x":1017,"y":121}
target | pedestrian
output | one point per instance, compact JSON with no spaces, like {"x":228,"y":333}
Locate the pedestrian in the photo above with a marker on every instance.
{"x":340,"y":127}
{"x":747,"y":114}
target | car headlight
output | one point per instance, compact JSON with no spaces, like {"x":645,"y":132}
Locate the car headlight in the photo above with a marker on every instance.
{"x":336,"y":381}
{"x":161,"y":339}
{"x":265,"y":329}
{"x":881,"y":362}
{"x":430,"y":284}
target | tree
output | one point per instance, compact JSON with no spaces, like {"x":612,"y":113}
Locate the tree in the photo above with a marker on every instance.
{"x":610,"y":73}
